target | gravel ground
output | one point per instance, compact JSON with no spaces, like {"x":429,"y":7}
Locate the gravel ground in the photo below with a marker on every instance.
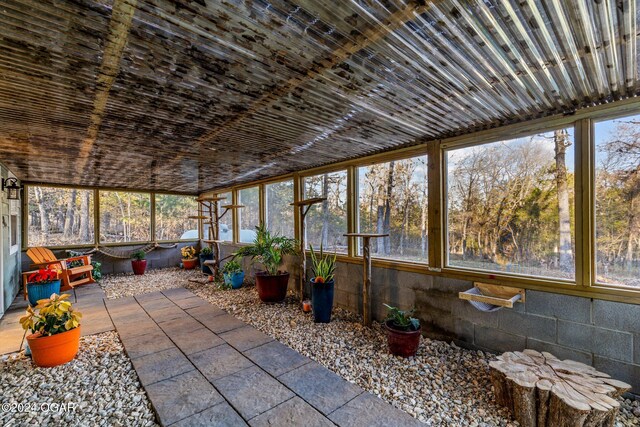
{"x":100,"y":384}
{"x":443,"y":385}
{"x":128,"y":284}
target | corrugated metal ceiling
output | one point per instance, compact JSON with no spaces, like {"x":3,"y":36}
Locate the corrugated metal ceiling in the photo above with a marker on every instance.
{"x":191,"y":95}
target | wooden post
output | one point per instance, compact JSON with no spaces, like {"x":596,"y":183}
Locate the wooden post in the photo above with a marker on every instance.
{"x":366,"y":273}
{"x":211,"y":203}
{"x":304,"y":206}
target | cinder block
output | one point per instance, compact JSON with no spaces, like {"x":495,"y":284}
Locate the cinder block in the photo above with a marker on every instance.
{"x":560,"y":352}
{"x":464,"y":330}
{"x":448,"y":284}
{"x":627,"y":372}
{"x":466,"y":311}
{"x":616,"y":315}
{"x":636,"y":349}
{"x":497,"y":340}
{"x":604,"y":342}
{"x":566,"y":307}
{"x":529,"y":325}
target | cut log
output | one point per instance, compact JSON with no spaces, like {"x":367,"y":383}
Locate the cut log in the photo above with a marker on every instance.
{"x":542,"y":390}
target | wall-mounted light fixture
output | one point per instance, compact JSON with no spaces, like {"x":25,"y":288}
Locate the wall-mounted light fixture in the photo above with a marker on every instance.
{"x":12,"y":187}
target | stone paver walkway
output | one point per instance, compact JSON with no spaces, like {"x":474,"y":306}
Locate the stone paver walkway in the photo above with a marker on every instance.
{"x":95,"y":318}
{"x":201,"y":366}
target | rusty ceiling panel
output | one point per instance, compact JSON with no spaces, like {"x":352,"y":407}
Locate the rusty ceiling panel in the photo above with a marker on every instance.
{"x":191,"y":95}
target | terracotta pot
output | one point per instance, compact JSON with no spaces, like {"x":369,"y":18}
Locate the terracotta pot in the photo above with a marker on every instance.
{"x":272,"y":288}
{"x":55,"y":349}
{"x":190,"y":264}
{"x":402,"y":343}
{"x":139,"y":266}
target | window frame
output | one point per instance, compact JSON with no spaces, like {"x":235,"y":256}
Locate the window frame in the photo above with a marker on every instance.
{"x":154,"y":222}
{"x":265,"y":200}
{"x":96,"y":216}
{"x":358,"y":249}
{"x":444,"y":252}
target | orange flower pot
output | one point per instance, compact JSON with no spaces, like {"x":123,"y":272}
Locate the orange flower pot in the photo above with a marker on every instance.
{"x":190,"y":264}
{"x":56,"y":349}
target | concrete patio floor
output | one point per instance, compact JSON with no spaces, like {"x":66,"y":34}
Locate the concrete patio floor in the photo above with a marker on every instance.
{"x":201,"y":366}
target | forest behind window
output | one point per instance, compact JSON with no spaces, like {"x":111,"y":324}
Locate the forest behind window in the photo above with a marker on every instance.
{"x":279,"y":213}
{"x":392,"y":199}
{"x":172,"y":217}
{"x":249,"y":216}
{"x":511,"y":206}
{"x":618,"y":201}
{"x":226,"y":222}
{"x":59,"y":216}
{"x":125,"y":217}
{"x":326,"y":222}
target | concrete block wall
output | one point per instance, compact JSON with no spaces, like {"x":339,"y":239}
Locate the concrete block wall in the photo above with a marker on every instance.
{"x":603,"y":334}
{"x":158,"y":258}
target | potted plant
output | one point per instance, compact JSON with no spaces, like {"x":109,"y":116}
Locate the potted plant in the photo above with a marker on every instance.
{"x":322,"y":266}
{"x":138,"y":262}
{"x":189,"y":260}
{"x":55,"y":337}
{"x":269,"y":250}
{"x":206,"y":254}
{"x":403,"y":332}
{"x":41,"y":284}
{"x":233,"y":274}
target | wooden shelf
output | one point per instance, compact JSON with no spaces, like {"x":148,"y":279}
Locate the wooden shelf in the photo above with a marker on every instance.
{"x":497,"y":295}
{"x":233,"y":206}
{"x":211,"y":199}
{"x":365,"y":235}
{"x":198,"y":217}
{"x":308,"y":202}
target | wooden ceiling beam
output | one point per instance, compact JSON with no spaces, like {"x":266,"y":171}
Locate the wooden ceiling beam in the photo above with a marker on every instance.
{"x":366,"y":38}
{"x":119,"y":27}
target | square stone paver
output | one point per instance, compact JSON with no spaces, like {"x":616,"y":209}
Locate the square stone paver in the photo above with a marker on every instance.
{"x":190,"y":302}
{"x":167,"y":314}
{"x":195,"y":340}
{"x":207,"y":311}
{"x":148,"y":343}
{"x":292,"y":413}
{"x":276,"y":358}
{"x":323,"y":389}
{"x":245,"y":338}
{"x":182,"y":324}
{"x":180,"y":397}
{"x":149,"y":296}
{"x":219,"y":361}
{"x":221,"y":415}
{"x":221,"y":323}
{"x":121,"y":304}
{"x":135,"y":328}
{"x":252,"y":391}
{"x":369,"y":410}
{"x":177,"y":293}
{"x":161,"y":365}
{"x":157,"y":304}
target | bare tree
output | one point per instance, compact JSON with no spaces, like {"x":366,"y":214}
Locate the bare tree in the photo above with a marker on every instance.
{"x":561,"y":142}
{"x":69,"y":216}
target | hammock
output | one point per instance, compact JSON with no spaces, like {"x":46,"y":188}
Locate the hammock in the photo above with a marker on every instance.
{"x":121,"y":254}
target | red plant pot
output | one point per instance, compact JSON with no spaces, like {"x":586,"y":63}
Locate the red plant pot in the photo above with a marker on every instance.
{"x":190,"y":264}
{"x":56,"y":349}
{"x":139,"y":266}
{"x":272,"y":288}
{"x":402,"y":343}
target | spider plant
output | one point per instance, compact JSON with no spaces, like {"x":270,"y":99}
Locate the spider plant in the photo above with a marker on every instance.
{"x":323,"y":266}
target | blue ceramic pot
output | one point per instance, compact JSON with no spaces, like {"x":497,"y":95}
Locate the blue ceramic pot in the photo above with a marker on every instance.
{"x":322,"y":301}
{"x":36,"y":291}
{"x":234,"y":279}
{"x":204,"y":258}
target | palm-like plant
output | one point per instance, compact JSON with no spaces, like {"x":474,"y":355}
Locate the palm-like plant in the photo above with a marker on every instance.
{"x":268,"y":250}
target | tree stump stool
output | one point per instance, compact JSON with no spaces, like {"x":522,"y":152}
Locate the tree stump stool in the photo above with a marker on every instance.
{"x":542,"y":390}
